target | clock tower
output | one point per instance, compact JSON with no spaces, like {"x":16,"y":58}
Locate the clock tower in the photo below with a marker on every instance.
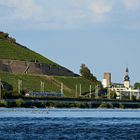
{"x":127,"y":79}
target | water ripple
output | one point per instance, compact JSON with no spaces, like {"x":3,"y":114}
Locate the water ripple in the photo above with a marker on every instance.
{"x":26,"y":127}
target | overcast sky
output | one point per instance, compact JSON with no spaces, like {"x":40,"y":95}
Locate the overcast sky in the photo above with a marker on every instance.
{"x":103,"y":34}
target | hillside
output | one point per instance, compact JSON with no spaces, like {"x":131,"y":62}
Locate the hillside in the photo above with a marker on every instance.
{"x":52,"y":83}
{"x":17,"y":62}
{"x":18,"y":59}
{"x":9,"y":49}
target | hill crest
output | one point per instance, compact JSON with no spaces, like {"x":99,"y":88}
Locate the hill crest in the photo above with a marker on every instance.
{"x":16,"y":58}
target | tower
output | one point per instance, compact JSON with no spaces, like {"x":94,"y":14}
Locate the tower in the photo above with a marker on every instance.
{"x":126,"y":79}
{"x":106,"y":80}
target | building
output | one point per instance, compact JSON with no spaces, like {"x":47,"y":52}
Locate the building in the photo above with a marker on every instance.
{"x":106,"y":80}
{"x":124,"y":90}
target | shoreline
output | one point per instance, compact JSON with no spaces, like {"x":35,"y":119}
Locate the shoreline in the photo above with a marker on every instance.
{"x":65,"y":103}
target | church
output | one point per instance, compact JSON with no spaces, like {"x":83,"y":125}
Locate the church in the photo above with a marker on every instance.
{"x":123,"y":91}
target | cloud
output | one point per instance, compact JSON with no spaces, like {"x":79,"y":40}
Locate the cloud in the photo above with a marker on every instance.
{"x":100,"y":7}
{"x":20,"y":9}
{"x":132,"y":4}
{"x":77,"y":13}
{"x":64,"y":14}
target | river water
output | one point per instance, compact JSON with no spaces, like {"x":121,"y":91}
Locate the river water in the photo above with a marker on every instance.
{"x":69,"y":124}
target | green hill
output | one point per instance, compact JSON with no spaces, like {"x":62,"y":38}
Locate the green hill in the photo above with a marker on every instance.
{"x":52,"y":83}
{"x":9,"y":49}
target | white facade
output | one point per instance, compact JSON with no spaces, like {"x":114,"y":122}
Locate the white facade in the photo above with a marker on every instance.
{"x":127,"y":84}
{"x":104,"y":83}
{"x":125,"y":89}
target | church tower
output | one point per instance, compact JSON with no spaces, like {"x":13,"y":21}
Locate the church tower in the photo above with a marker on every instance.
{"x":127,"y":79}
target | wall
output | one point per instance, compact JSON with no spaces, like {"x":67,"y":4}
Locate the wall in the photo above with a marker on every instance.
{"x":15,"y":66}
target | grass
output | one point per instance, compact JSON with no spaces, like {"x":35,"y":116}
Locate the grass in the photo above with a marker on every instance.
{"x":52,"y":83}
{"x":14,"y":51}
{"x":71,"y":82}
{"x":31,"y":83}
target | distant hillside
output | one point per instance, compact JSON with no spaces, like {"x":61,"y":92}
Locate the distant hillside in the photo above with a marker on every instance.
{"x":19,"y":62}
{"x":15,"y":58}
{"x":52,"y":83}
{"x":9,"y":49}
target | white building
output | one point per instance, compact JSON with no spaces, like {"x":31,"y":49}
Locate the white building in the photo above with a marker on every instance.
{"x":125,"y":89}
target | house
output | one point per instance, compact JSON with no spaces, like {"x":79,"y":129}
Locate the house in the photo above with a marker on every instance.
{"x":125,"y":90}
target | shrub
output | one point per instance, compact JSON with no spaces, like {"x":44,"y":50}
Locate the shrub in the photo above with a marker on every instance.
{"x":39,"y":104}
{"x":28,"y":104}
{"x":106,"y":105}
{"x":11,"y":103}
{"x":19,"y":102}
{"x":6,"y":35}
{"x":121,"y":106}
{"x":133,"y":98}
{"x":113,"y":95}
{"x":83,"y":105}
{"x":3,"y":103}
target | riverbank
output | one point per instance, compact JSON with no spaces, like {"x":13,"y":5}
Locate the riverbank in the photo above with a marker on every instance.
{"x":55,"y":103}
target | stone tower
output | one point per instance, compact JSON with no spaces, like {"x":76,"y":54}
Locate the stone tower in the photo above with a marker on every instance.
{"x":106,"y":80}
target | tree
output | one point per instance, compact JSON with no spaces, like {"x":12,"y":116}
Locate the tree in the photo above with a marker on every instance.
{"x":137,"y":85}
{"x":6,"y":35}
{"x":12,"y":40}
{"x":93,"y":78}
{"x":113,"y":95}
{"x":85,"y":73}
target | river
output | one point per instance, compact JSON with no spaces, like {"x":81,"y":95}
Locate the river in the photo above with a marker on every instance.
{"x":69,"y":124}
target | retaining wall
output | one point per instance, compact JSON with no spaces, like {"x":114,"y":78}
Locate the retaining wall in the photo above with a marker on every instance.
{"x":16,"y":66}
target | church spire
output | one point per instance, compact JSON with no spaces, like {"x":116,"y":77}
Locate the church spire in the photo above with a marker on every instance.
{"x":127,"y":78}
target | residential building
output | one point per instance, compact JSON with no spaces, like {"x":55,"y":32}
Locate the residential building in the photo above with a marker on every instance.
{"x":122,"y":90}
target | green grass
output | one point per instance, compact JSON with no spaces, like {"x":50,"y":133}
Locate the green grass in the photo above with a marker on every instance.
{"x":12,"y":51}
{"x":31,"y":83}
{"x":71,"y":83}
{"x":52,"y":84}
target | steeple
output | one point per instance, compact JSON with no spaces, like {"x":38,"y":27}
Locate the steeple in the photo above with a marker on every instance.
{"x":126,"y":78}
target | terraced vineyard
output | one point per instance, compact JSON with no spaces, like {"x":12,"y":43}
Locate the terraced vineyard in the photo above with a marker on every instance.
{"x":14,"y":51}
{"x":72,"y":82}
{"x":52,"y":84}
{"x":11,"y":50}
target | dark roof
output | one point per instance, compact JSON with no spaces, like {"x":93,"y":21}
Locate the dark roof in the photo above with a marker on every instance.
{"x":127,"y":70}
{"x":126,"y":78}
{"x":120,"y":84}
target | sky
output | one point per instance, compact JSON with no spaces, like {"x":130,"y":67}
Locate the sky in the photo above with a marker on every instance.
{"x":103,"y":34}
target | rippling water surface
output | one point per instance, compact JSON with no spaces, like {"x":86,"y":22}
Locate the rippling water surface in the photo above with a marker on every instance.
{"x":69,"y":124}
